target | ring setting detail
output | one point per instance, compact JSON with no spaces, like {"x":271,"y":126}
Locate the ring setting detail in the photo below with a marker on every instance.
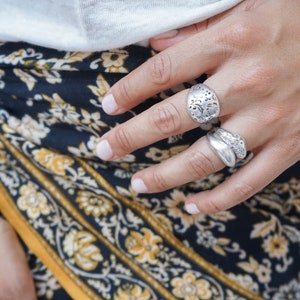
{"x":202,"y":103}
{"x":227,"y":145}
{"x":234,"y":141}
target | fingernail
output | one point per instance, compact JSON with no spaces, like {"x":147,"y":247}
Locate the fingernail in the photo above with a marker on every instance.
{"x":104,"y":151}
{"x":109,"y":104}
{"x":192,"y":208}
{"x":167,"y":35}
{"x":139,"y":186}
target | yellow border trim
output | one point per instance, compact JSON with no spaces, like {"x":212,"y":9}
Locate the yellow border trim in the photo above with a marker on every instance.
{"x":57,"y":194}
{"x":169,"y":237}
{"x":72,"y":284}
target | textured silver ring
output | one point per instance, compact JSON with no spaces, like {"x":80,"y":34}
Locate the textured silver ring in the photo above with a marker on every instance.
{"x":202,"y":103}
{"x":224,"y":151}
{"x":234,"y":141}
{"x":227,"y":145}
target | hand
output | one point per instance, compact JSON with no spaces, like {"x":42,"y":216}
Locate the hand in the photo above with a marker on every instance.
{"x":252,"y":56}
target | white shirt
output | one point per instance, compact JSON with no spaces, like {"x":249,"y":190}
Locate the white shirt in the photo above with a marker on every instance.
{"x":91,"y":25}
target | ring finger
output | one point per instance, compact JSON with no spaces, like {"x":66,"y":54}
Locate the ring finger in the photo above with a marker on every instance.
{"x":196,"y":162}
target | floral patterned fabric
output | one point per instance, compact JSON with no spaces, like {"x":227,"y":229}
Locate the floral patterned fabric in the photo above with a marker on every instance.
{"x":87,"y":234}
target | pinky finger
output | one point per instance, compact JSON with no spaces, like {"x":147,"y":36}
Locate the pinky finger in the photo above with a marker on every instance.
{"x":246,"y":182}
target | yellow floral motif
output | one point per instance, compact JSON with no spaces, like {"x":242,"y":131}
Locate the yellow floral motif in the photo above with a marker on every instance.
{"x":93,"y":120}
{"x":294,"y":187}
{"x":15,"y":57}
{"x":53,"y":77}
{"x":246,"y":281}
{"x":114,"y":60}
{"x":61,"y":64}
{"x":276,"y":246}
{"x":61,"y":110}
{"x":159,"y":155}
{"x":42,"y":68}
{"x":2,"y":154}
{"x":190,"y":288}
{"x":85,"y":150}
{"x":27,"y":76}
{"x":101,"y":87}
{"x":165,"y":221}
{"x":93,"y":204}
{"x":144,"y":246}
{"x":28,"y":128}
{"x":33,"y":202}
{"x":262,"y":272}
{"x":175,"y":206}
{"x":132,"y":292}
{"x":207,"y":182}
{"x":54,"y":162}
{"x":208,"y":240}
{"x":78,"y":246}
{"x":29,"y":80}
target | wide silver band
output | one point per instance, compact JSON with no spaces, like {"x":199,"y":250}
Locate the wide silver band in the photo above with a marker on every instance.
{"x":234,"y":140}
{"x":227,"y":145}
{"x":202,"y":103}
{"x":224,"y":152}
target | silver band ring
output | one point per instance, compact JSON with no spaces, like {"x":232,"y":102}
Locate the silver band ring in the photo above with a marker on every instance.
{"x":224,"y":152}
{"x":227,"y":145}
{"x":202,"y":103}
{"x":235,"y":141}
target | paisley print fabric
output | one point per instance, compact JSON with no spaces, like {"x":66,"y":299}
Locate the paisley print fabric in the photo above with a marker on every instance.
{"x":87,"y":234}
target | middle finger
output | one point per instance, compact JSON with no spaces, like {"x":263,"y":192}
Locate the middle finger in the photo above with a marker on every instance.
{"x":167,"y":118}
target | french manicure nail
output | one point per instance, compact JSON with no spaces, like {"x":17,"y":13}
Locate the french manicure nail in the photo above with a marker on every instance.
{"x":167,"y":35}
{"x":192,"y":208}
{"x":139,"y":186}
{"x":109,"y":104}
{"x":104,"y":151}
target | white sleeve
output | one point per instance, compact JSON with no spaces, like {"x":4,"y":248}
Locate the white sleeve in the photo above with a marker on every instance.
{"x":89,"y":25}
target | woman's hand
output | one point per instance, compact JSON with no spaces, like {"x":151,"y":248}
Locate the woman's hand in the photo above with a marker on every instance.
{"x":252,"y":56}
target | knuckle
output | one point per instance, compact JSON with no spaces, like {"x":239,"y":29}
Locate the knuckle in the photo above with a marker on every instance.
{"x":244,"y":190}
{"x":258,"y":78}
{"x":160,"y":68}
{"x":123,"y":139}
{"x":200,"y":164}
{"x":123,"y":91}
{"x":159,"y":181}
{"x":272,"y":116}
{"x":211,"y":206}
{"x":166,"y":118}
{"x":289,"y":148}
{"x":240,"y":33}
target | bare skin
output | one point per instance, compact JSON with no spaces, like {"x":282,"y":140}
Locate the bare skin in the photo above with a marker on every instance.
{"x":15,"y":278}
{"x":251,"y":54}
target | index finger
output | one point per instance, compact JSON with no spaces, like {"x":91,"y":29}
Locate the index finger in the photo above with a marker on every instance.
{"x":182,"y":62}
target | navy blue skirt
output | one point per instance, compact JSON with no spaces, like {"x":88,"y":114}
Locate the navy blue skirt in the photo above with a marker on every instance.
{"x":86,"y":233}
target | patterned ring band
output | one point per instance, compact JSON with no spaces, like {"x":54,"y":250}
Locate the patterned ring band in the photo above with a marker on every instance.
{"x":234,"y":141}
{"x":227,"y":145}
{"x":202,"y":103}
